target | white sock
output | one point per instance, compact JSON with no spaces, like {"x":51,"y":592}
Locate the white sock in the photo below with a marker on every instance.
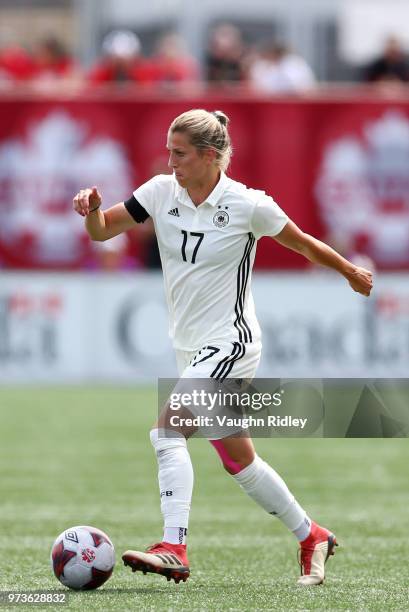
{"x":175,"y":478}
{"x":269,"y":490}
{"x":175,"y":535}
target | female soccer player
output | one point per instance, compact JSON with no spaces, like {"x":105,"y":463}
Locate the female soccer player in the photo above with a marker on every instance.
{"x":207,"y":226}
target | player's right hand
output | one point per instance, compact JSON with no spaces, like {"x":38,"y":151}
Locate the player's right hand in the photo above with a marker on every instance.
{"x":86,"y":200}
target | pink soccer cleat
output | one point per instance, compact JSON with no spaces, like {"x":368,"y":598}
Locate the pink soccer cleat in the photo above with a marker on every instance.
{"x":170,"y":560}
{"x":314,"y":552}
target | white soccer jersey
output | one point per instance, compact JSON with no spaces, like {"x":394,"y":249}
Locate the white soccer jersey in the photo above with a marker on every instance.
{"x":207,"y":255}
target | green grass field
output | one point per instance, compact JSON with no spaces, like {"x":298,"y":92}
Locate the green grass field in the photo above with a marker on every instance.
{"x":82,"y":456}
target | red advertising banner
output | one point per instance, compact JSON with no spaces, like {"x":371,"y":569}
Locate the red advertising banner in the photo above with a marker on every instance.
{"x":338,"y":167}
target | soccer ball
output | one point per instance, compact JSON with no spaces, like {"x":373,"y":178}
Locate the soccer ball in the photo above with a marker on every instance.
{"x":82,"y":557}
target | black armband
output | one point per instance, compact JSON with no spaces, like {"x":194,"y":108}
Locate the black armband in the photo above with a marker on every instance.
{"x":136,"y":210}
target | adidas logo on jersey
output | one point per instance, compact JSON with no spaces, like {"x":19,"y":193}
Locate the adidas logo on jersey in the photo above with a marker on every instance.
{"x":174,"y":212}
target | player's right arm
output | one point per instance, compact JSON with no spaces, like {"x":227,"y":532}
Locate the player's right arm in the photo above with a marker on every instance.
{"x":101,"y":225}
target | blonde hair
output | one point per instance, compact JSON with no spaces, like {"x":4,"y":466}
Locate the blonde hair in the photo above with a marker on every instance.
{"x":206,"y":130}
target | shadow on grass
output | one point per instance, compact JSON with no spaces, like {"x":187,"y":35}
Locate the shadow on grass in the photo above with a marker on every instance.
{"x":119,"y":591}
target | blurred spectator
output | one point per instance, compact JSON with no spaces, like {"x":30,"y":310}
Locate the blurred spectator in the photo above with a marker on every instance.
{"x":171,"y":63}
{"x":143,"y":246}
{"x":122,"y":61}
{"x":392,"y":65}
{"x":51,"y":60}
{"x":279,"y":70}
{"x":225,"y":54}
{"x":146,"y":232}
{"x":15,"y":64}
{"x":111,"y":255}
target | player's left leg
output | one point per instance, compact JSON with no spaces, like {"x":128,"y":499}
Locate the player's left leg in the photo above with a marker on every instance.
{"x":262,"y":483}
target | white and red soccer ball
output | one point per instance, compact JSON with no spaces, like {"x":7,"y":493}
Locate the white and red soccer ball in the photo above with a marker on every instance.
{"x":82,"y":557}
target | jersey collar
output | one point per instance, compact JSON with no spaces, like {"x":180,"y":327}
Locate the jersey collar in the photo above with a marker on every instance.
{"x":213,"y":197}
{"x":218,"y":191}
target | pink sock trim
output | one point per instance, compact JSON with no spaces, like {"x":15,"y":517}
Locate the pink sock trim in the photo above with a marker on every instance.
{"x":233,"y":467}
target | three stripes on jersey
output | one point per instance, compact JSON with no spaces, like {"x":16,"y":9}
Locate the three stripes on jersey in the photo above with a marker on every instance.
{"x":174,"y":212}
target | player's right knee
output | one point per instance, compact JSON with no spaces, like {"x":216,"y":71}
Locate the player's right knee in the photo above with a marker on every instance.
{"x":162,"y":439}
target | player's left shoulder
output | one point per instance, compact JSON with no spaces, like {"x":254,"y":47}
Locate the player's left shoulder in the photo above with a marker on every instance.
{"x":244,"y":194}
{"x":241,"y":198}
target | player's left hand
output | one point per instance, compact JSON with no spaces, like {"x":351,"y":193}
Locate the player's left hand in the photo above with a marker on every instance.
{"x":361,"y":281}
